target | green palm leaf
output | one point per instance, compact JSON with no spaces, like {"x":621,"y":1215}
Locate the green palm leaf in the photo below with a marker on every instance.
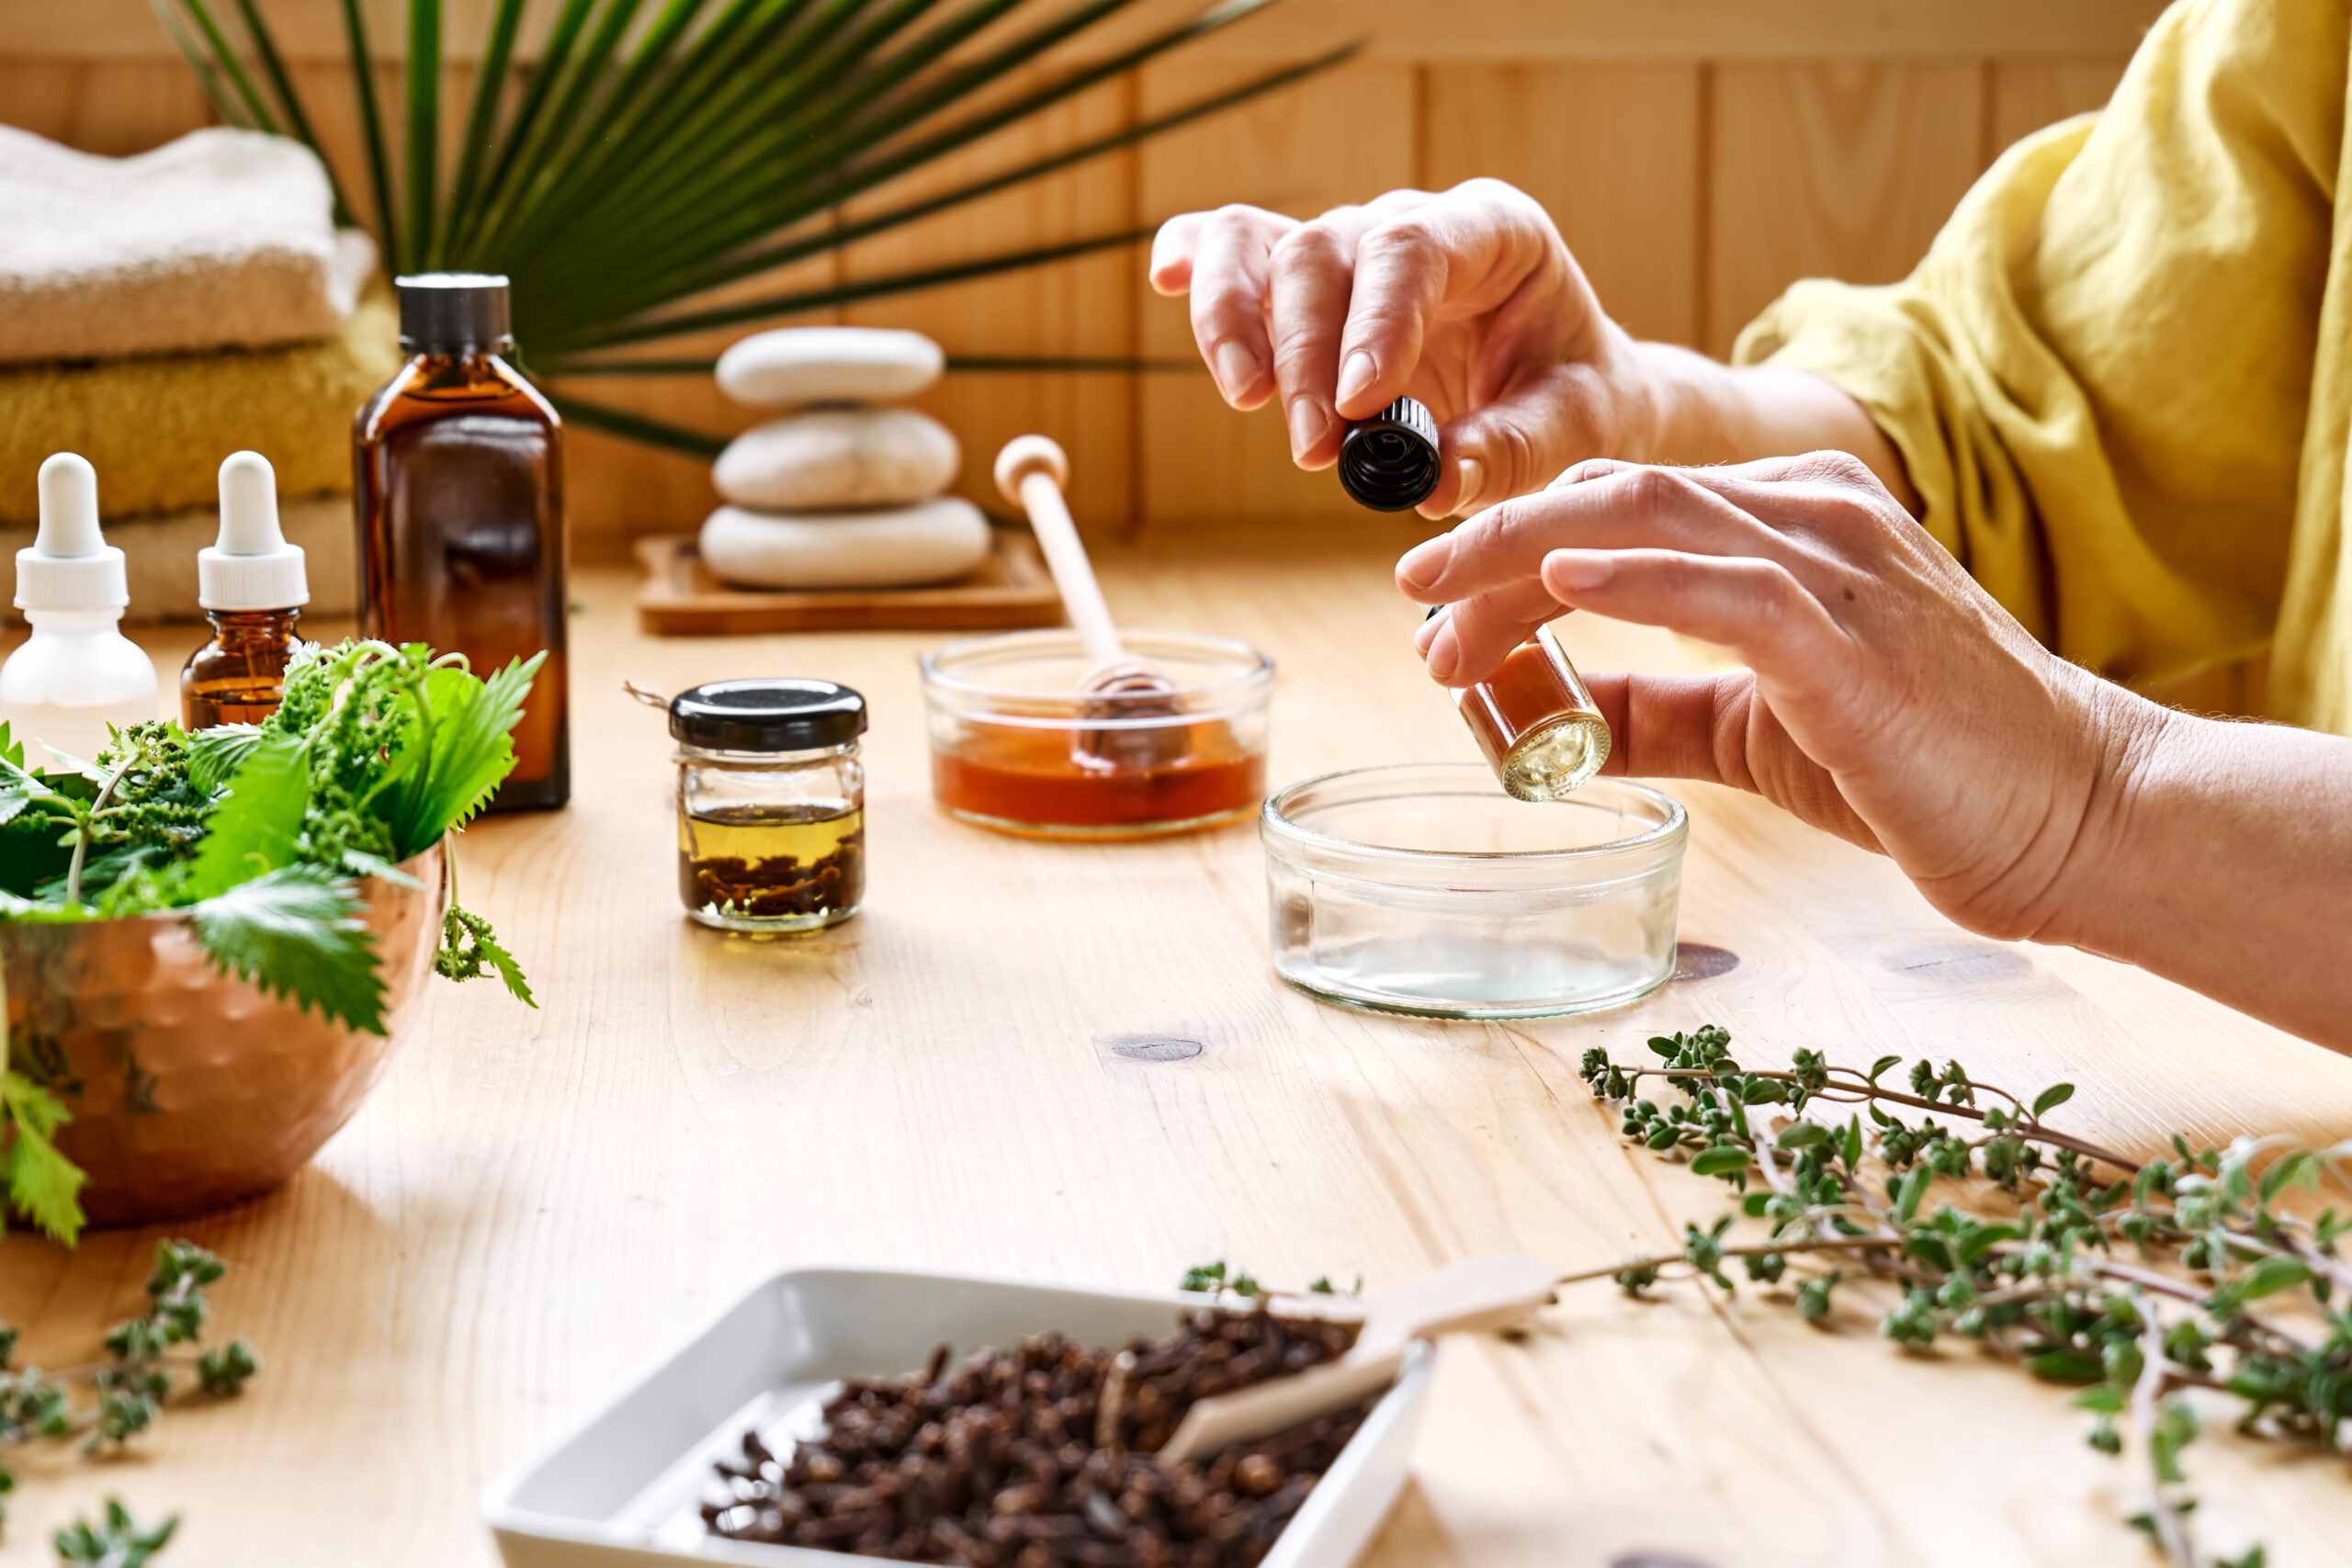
{"x":482,"y":120}
{"x":655,"y":152}
{"x":371,"y":124}
{"x":424,"y":124}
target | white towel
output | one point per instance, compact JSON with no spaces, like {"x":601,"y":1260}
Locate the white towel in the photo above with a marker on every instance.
{"x":223,"y":239}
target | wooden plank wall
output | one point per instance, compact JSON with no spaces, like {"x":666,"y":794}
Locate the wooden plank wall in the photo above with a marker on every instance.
{"x":1699,"y":154}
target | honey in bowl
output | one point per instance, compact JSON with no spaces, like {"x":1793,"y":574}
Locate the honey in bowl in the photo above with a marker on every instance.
{"x":1016,"y":747}
{"x":1048,"y":781}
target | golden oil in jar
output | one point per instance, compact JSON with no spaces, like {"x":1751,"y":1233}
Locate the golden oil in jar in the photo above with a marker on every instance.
{"x":771,"y":864}
{"x":770,"y":804}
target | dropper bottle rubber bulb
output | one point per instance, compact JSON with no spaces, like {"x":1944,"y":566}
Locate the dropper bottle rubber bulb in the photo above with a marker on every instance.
{"x":252,"y":586}
{"x":1534,"y":719}
{"x":76,"y":678}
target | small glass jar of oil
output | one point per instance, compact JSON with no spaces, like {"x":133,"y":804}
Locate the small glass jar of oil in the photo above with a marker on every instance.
{"x":770,"y":804}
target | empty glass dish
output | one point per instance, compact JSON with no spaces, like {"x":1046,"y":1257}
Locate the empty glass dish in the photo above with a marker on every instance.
{"x":1423,"y":889}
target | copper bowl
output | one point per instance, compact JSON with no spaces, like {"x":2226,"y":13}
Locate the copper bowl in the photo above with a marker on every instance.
{"x":189,"y":1089}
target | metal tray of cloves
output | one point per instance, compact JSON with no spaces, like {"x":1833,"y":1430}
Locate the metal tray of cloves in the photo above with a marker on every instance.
{"x":623,"y":1487}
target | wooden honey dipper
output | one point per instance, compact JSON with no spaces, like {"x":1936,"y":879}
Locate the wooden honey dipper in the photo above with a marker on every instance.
{"x":1030,"y":472}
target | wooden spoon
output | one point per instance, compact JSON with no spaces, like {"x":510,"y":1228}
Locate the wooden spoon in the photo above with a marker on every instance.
{"x":1030,"y":472}
{"x":1483,"y":1294}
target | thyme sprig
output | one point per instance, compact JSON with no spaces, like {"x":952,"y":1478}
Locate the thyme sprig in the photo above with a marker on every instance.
{"x":2136,"y":1280}
{"x":152,"y":1358}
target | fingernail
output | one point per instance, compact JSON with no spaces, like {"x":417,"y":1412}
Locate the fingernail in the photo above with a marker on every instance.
{"x":1307,"y":424}
{"x":1426,"y":633}
{"x":1444,"y":653}
{"x":1357,"y":374}
{"x":1474,"y":479}
{"x":1579,"y":569}
{"x":1425,"y":562}
{"x":1236,"y":369}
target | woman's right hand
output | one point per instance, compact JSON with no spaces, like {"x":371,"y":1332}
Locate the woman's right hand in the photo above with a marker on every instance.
{"x":1886,"y":697}
{"x":1467,"y":299}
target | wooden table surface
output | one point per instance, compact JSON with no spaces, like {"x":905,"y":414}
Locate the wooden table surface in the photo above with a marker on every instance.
{"x":533,"y":1203}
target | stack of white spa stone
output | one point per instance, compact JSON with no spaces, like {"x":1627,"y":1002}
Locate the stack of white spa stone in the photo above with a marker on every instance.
{"x":839,"y":493}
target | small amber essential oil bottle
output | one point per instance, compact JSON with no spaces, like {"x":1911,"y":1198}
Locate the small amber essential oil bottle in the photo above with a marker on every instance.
{"x":1533,"y":719}
{"x":457,"y":480}
{"x":252,"y":587}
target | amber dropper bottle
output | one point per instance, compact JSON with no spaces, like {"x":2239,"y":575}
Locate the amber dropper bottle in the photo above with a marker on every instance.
{"x":1533,"y":719}
{"x":252,"y":587}
{"x":457,"y":476}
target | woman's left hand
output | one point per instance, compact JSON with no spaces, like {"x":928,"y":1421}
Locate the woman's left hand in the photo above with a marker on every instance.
{"x":1887,"y":698}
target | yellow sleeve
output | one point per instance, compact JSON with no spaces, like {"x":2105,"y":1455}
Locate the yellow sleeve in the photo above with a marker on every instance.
{"x":2099,"y":375}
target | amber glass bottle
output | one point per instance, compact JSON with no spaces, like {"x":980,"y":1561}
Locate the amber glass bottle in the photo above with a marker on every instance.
{"x":252,"y":585}
{"x":459,"y":479}
{"x":240,"y":676}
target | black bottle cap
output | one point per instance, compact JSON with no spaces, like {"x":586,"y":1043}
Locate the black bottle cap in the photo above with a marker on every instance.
{"x":1389,"y":461}
{"x":774,"y":714}
{"x":454,"y":312}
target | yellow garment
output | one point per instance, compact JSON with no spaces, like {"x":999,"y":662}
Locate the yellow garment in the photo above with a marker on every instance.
{"x":2121,"y":378}
{"x":156,"y":427}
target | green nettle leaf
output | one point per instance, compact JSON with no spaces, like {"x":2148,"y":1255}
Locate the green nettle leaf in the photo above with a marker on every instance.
{"x":44,"y":1185}
{"x":214,"y":754}
{"x":295,"y":933}
{"x":469,"y":949}
{"x":471,"y":750}
{"x":258,"y":825}
{"x":2051,"y":1098}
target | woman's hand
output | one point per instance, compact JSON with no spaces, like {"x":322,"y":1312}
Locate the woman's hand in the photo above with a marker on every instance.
{"x":1887,"y":698}
{"x":1467,"y":301}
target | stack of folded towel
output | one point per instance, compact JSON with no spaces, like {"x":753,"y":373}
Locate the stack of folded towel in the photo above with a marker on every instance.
{"x":161,"y":311}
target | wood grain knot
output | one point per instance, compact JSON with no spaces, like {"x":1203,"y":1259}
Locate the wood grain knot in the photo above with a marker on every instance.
{"x":1151,"y":1047}
{"x":1698,"y":961}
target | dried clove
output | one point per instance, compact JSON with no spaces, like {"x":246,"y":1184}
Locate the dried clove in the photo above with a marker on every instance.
{"x":1040,"y":1456}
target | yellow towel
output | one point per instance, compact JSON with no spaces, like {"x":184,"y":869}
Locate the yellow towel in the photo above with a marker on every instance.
{"x":157,"y":428}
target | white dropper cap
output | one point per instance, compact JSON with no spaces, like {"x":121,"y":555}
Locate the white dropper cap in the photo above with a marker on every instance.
{"x":70,"y":565}
{"x":251,"y":567}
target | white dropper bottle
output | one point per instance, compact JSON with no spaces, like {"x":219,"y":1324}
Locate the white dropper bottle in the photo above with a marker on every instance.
{"x":77,"y":675}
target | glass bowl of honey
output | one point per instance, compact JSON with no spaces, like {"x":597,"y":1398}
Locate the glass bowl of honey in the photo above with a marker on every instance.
{"x":1016,"y":745}
{"x":1424,"y":889}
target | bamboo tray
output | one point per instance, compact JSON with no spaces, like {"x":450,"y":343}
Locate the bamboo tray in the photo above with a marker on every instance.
{"x":679,"y":597}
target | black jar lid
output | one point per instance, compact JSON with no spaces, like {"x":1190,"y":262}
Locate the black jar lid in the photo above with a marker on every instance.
{"x":454,"y":312}
{"x":1389,"y":461}
{"x":777,"y":714}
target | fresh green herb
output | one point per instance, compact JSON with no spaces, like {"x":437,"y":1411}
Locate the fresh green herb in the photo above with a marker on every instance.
{"x":260,"y":833}
{"x":2038,"y":1274}
{"x":1212,"y":1278}
{"x":116,"y":1541}
{"x":110,"y":1402}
